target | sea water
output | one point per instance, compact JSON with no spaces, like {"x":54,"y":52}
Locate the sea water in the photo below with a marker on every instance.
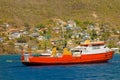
{"x":12,"y":69}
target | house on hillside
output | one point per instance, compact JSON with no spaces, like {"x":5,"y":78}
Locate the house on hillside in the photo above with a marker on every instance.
{"x":5,"y":25}
{"x":23,"y":32}
{"x":70,"y":42}
{"x":40,"y":37}
{"x":56,"y":29}
{"x":98,"y":30}
{"x":90,"y":27}
{"x":21,"y":44}
{"x":42,"y":29}
{"x":1,"y":39}
{"x":71,"y":24}
{"x":36,"y":34}
{"x":59,"y":22}
{"x":118,"y":43}
{"x":14,"y":34}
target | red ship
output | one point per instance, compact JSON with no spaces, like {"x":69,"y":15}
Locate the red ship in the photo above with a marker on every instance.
{"x":95,"y":52}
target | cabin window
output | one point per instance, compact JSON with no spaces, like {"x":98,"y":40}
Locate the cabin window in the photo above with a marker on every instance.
{"x":96,"y":47}
{"x":104,"y":46}
{"x":75,"y":51}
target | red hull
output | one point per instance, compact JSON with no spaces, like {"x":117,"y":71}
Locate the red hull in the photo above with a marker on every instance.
{"x":68,"y":59}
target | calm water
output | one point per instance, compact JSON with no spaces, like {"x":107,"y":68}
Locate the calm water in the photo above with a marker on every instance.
{"x":12,"y":69}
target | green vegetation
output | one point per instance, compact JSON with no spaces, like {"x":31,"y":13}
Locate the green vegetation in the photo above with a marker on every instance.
{"x":40,"y":26}
{"x":40,"y":14}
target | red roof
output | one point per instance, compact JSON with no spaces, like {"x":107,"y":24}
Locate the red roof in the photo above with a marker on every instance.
{"x":93,"y":43}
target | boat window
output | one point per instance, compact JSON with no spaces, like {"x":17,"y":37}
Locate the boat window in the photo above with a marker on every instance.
{"x":96,"y":47}
{"x":75,"y":51}
{"x":97,"y":44}
{"x":104,"y":46}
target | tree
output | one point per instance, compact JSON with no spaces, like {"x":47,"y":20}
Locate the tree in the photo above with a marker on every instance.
{"x":105,"y":36}
{"x":93,"y":35}
{"x":40,"y":26}
{"x":27,"y":26}
{"x":22,"y":39}
{"x":79,"y":23}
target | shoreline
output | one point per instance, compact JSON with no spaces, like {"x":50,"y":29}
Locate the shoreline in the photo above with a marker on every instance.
{"x":10,"y":54}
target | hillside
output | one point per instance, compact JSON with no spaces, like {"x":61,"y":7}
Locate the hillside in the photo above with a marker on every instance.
{"x":42,"y":24}
{"x":35,"y":11}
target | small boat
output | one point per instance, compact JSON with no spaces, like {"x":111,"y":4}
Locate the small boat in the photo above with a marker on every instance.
{"x":89,"y":52}
{"x":117,"y":50}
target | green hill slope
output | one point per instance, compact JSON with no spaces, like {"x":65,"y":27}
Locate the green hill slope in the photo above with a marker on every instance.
{"x":35,"y":11}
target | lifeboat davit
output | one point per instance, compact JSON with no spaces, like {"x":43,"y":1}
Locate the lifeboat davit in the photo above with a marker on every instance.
{"x":95,"y":52}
